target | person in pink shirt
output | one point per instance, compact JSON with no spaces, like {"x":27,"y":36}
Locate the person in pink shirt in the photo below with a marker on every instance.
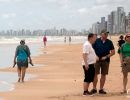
{"x":44,"y":40}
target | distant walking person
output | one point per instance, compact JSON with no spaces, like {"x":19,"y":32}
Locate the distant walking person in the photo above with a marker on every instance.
{"x":104,"y":50}
{"x":120,"y":43}
{"x":125,"y":60}
{"x":89,"y":59}
{"x":45,"y":40}
{"x":69,"y":39}
{"x":21,"y":58}
{"x":65,"y":39}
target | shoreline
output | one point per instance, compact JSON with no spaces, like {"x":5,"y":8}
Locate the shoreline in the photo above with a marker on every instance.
{"x":33,"y":70}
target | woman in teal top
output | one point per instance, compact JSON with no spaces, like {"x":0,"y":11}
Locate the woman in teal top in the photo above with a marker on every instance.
{"x":22,"y":55}
{"x":125,"y":61}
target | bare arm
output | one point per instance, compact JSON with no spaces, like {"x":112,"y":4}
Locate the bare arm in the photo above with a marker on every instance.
{"x":85,"y":60}
{"x":15,"y":56}
{"x":112,"y":52}
{"x":15,"y":59}
{"x":30,"y":60}
{"x":121,"y":57}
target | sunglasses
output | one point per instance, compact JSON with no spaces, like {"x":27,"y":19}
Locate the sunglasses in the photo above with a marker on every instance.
{"x":127,"y":36}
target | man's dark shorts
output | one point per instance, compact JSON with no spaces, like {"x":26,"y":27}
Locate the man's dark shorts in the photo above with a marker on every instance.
{"x":89,"y":74}
{"x":102,"y":67}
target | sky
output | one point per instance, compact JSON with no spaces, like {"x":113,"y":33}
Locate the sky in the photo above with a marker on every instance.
{"x":44,"y":14}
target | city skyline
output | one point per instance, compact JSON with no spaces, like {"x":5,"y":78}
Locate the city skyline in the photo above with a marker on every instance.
{"x":118,"y":22}
{"x":40,"y":32}
{"x":46,"y":14}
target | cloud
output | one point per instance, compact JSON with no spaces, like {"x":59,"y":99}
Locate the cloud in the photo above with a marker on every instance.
{"x":82,"y":10}
{"x":113,"y":3}
{"x":10,"y":1}
{"x":8,"y":15}
{"x":10,"y":24}
{"x":5,"y":0}
{"x":61,"y":3}
{"x":68,"y":13}
{"x":46,"y":18}
{"x":110,"y":1}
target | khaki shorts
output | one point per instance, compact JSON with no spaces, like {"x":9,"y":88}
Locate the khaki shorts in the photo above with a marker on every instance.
{"x":126,"y":65}
{"x":102,"y":67}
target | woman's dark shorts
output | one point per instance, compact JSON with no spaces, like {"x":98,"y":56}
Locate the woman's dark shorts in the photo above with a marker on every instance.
{"x":22,"y":64}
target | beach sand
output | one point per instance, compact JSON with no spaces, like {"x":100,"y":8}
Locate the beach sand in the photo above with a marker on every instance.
{"x":61,"y":77}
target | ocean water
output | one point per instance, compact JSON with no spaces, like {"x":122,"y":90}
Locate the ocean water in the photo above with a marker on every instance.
{"x":8,"y":46}
{"x":7,"y":52}
{"x":7,"y":80}
{"x":60,"y":39}
{"x":38,"y":39}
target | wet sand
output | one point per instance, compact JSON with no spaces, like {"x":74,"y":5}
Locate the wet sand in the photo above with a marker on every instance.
{"x":61,"y":77}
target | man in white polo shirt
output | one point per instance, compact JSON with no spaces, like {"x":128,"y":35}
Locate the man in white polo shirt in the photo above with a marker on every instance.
{"x":89,"y":59}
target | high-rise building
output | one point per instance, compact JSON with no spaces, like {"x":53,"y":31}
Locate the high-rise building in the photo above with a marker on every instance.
{"x":114,"y":21}
{"x":63,"y":31}
{"x":126,"y":24}
{"x":103,"y":24}
{"x":96,"y":28}
{"x":110,"y":24}
{"x":120,"y":20}
{"x":128,"y":30}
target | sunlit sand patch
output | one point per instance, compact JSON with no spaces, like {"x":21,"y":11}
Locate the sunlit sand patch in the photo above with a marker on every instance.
{"x":111,"y":94}
{"x":80,"y":95}
{"x":41,"y":79}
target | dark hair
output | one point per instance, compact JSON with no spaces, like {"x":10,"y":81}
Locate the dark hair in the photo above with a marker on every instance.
{"x":121,"y":37}
{"x":90,"y":35}
{"x":22,"y":42}
{"x":105,"y":32}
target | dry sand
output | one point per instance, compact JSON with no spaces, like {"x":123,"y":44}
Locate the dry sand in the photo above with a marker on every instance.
{"x":61,"y":77}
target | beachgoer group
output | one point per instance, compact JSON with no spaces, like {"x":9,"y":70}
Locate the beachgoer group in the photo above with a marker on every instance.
{"x":96,"y":58}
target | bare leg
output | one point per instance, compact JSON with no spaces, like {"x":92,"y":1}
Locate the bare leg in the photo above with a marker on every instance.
{"x":86,"y":86}
{"x":19,"y":74}
{"x":120,"y":59}
{"x":23,"y":73}
{"x":125,"y":80}
{"x":95,"y":82}
{"x":102,"y":81}
{"x":44,"y":44}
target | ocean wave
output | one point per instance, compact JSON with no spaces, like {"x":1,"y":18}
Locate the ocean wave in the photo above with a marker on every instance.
{"x":38,"y":39}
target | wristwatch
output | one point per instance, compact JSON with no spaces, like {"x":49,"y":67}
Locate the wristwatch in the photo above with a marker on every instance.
{"x":107,"y":56}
